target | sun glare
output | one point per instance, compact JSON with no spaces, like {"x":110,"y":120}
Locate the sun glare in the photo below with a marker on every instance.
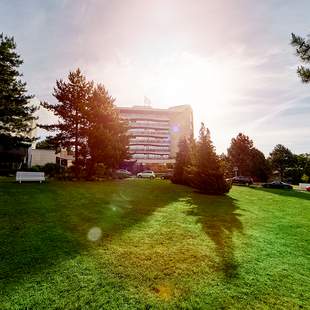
{"x":188,"y":79}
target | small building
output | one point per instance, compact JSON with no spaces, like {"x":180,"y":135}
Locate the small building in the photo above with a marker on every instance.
{"x":41,"y":157}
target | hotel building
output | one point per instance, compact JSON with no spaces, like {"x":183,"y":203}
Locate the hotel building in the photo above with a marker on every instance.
{"x":155,"y":133}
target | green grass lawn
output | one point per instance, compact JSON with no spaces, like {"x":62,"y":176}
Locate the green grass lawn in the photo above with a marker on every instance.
{"x":151,"y":244}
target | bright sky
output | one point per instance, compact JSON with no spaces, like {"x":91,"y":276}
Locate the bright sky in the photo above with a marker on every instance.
{"x":229,"y":59}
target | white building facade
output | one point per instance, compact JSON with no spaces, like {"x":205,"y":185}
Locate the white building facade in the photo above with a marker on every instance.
{"x":155,"y":133}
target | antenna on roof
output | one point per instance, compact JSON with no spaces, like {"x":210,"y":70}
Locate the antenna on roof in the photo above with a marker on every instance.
{"x":147,"y":102}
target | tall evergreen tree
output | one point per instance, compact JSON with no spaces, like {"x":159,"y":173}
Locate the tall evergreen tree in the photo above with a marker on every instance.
{"x":183,"y":160}
{"x":73,"y":99}
{"x":16,"y":114}
{"x":107,"y":137}
{"x":206,"y":173}
{"x":302,"y":46}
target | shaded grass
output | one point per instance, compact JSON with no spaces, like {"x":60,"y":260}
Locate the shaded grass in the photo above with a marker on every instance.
{"x":162,"y":246}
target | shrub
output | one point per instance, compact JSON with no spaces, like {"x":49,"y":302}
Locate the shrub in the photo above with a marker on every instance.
{"x":211,"y":183}
{"x":53,"y":170}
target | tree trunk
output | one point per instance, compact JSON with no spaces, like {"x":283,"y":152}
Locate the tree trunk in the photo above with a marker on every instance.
{"x":76,"y":148}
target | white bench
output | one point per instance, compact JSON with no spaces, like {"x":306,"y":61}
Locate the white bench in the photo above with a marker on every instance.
{"x":29,"y":176}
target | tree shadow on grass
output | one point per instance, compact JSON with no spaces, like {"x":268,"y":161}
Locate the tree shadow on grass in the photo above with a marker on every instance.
{"x":284,"y":192}
{"x":219,"y":218}
{"x":42,"y":225}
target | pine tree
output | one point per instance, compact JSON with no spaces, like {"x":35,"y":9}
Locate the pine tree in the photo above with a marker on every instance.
{"x":205,"y":173}
{"x":183,"y":161}
{"x":107,"y":137}
{"x":73,"y":99}
{"x":16,"y":114}
{"x":303,"y":52}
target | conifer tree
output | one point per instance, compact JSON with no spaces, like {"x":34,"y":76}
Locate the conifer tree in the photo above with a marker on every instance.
{"x":302,"y":46}
{"x":183,"y":161}
{"x":16,"y":114}
{"x":73,"y":99}
{"x":205,"y":173}
{"x":88,"y":123}
{"x":107,"y":137}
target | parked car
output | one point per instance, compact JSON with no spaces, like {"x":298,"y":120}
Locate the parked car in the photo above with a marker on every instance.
{"x":166,"y":176}
{"x":147,"y":174}
{"x":308,"y":189}
{"x":242,"y":180}
{"x":122,"y":173}
{"x":278,"y":184}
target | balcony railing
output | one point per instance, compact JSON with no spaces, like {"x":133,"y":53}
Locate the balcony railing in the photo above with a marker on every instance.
{"x":150,"y":135}
{"x":143,"y":151}
{"x":149,"y":142}
{"x":139,"y":117}
{"x":148,"y":130}
{"x":147,"y":126}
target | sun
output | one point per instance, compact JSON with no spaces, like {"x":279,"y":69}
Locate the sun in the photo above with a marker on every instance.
{"x":203,"y":83}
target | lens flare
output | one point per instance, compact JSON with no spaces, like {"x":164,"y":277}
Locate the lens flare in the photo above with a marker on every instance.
{"x":94,"y":234}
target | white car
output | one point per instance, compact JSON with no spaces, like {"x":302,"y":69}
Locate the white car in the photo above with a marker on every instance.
{"x":147,"y":174}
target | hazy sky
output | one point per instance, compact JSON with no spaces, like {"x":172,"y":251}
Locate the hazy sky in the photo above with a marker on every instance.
{"x":229,"y":59}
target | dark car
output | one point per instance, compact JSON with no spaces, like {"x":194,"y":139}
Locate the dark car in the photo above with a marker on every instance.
{"x":278,"y":184}
{"x":242,"y":180}
{"x":166,"y":176}
{"x":122,"y":174}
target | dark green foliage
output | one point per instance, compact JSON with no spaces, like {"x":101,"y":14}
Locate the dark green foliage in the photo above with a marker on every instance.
{"x":249,"y":160}
{"x":299,"y":171}
{"x":303,"y":52}
{"x":11,"y":159}
{"x":183,"y":160}
{"x":239,"y":154}
{"x":49,"y":143}
{"x":107,"y":138}
{"x":281,"y":158}
{"x":16,"y":115}
{"x":73,"y":97}
{"x":260,"y":167}
{"x":52,"y":170}
{"x":205,"y":173}
{"x":293,"y":175}
{"x":226,"y":166}
{"x":88,"y":123}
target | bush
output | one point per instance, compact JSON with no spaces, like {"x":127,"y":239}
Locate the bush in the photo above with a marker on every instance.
{"x":211,"y":183}
{"x":101,"y":171}
{"x":53,"y":170}
{"x":36,"y":168}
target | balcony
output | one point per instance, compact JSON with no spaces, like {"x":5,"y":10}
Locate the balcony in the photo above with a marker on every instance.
{"x":149,"y":142}
{"x":148,"y":125}
{"x":141,"y":117}
{"x":149,"y":135}
{"x":144,"y":151}
{"x":147,"y":130}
